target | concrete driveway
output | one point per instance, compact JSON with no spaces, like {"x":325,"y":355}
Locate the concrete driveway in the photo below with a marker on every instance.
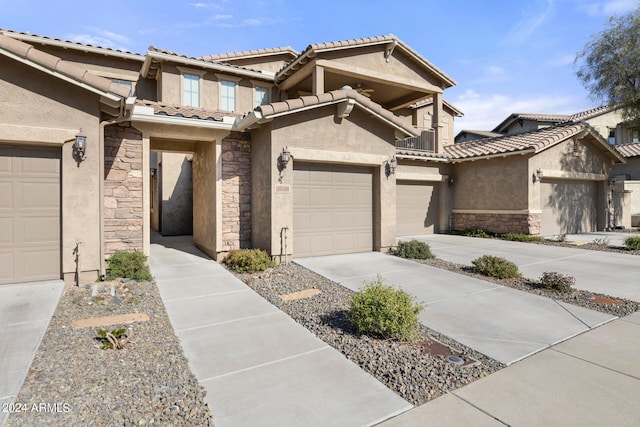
{"x":602,"y":272}
{"x":503,"y":323}
{"x":25,"y":313}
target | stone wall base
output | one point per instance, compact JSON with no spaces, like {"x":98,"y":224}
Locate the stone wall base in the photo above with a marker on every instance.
{"x":526,"y":223}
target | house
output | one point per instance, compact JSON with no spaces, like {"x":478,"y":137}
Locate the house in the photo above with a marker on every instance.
{"x":339,"y":148}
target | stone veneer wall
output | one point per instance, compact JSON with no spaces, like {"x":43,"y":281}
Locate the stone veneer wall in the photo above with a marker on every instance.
{"x":236,"y":192}
{"x":497,"y":223}
{"x":123,"y":211}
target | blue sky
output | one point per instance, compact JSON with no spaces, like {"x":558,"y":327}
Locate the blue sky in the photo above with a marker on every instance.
{"x":506,"y":56}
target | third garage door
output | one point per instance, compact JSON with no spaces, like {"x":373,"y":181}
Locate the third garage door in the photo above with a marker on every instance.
{"x":417,"y":208}
{"x":568,"y":206}
{"x":332,"y":209}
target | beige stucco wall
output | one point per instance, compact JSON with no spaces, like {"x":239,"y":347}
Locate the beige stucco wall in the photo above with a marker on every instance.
{"x":631,"y":169}
{"x":205,"y":202}
{"x":317,"y":136}
{"x":271,"y":64}
{"x":41,"y":109}
{"x":177,"y":194}
{"x":604,"y":122}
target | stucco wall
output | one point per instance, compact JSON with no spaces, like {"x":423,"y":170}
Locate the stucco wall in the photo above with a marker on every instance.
{"x":205,"y":202}
{"x":236,"y":192}
{"x":631,"y":169}
{"x":41,"y":109}
{"x":262,"y":166}
{"x":123,"y":210}
{"x":177,"y":194}
{"x":604,"y":122}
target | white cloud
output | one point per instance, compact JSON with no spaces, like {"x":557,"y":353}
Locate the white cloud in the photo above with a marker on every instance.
{"x":486,"y":112}
{"x":103,"y":38}
{"x":531,"y":19}
{"x":610,"y":7}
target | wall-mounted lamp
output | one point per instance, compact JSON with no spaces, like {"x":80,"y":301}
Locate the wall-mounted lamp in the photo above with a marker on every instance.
{"x":537,"y":176}
{"x":391,"y":165}
{"x":79,"y":146}
{"x":450,"y":180}
{"x":153,"y":171}
{"x":284,"y":158}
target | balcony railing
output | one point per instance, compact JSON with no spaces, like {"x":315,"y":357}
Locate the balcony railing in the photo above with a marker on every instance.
{"x":425,"y":141}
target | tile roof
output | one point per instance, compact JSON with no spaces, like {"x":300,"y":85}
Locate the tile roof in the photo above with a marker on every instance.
{"x":52,"y":40}
{"x":483,"y":133}
{"x":56,"y":65}
{"x":332,"y":97}
{"x":420,"y":153}
{"x":319,"y":47}
{"x":533,"y":141}
{"x":554,"y":118}
{"x":251,"y":53}
{"x":628,"y":150}
{"x":588,"y":114}
{"x":184,"y":111}
{"x":429,"y":101}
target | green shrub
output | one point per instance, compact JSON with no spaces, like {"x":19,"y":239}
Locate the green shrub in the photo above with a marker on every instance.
{"x":413,"y":250}
{"x":520,"y":237}
{"x":632,"y":243}
{"x":248,"y":260}
{"x":475,"y":232}
{"x":494,"y":266}
{"x":382,"y":311}
{"x":114,"y":339}
{"x":130,"y":264}
{"x":557,"y":282}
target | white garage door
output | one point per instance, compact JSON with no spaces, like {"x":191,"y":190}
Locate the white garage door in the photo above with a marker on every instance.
{"x":332,"y":209}
{"x":417,"y":208}
{"x":568,"y":206}
{"x":29,"y":214}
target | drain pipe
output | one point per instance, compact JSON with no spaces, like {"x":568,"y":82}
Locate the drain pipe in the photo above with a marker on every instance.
{"x":286,"y":251}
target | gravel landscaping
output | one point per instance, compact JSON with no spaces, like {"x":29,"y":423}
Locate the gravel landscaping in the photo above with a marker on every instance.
{"x":418,"y":371}
{"x":146,"y":383}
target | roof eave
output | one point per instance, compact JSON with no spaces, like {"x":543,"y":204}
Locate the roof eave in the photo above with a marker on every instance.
{"x":453,"y":159}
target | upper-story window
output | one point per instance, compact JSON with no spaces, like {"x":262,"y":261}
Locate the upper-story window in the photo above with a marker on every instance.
{"x":191,"y":90}
{"x":227,"y":95}
{"x":261,"y":96}
{"x":612,"y":136}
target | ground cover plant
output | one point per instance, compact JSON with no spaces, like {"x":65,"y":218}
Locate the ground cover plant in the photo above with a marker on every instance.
{"x":632,"y":243}
{"x":557,"y":282}
{"x":382,"y":311}
{"x":521,"y":237}
{"x":413,"y":249}
{"x":475,"y":232}
{"x":494,"y":266}
{"x":128,"y":264}
{"x":248,"y":260}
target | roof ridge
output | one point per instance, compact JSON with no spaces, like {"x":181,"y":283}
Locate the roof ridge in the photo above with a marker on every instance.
{"x":250,"y":52}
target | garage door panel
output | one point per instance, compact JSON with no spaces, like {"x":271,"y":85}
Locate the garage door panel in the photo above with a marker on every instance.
{"x":333,"y":209}
{"x":568,"y":206}
{"x":30,"y":209}
{"x":417,"y":208}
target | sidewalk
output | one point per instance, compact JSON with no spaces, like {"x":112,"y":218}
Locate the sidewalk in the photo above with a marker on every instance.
{"x":259,"y":366}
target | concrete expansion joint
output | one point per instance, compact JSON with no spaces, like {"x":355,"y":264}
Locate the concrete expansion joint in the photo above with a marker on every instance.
{"x":570,"y":313}
{"x":554,"y":260}
{"x":383,"y":274}
{"x":273,"y":362}
{"x":573,"y":356}
{"x":226,"y":322}
{"x":497,"y":287}
{"x":208,"y":295}
{"x":479,"y":409}
{"x":30,"y":322}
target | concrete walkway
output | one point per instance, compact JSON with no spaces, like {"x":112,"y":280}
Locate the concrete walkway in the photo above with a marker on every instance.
{"x":608,"y":273}
{"x":500,"y":322}
{"x":259,"y":367}
{"x":25,"y":313}
{"x":590,"y":380}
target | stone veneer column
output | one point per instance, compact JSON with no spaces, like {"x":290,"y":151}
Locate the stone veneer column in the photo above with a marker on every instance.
{"x":123,"y":207}
{"x":527,"y":223}
{"x":236,"y":192}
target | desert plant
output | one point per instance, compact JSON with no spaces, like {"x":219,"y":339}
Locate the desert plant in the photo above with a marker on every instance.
{"x":494,"y":266}
{"x":604,"y":241}
{"x":413,"y":249}
{"x":382,"y":311}
{"x":557,"y":282}
{"x":248,"y":260}
{"x":520,"y":237}
{"x":632,"y":243}
{"x":475,"y":232}
{"x":130,"y":264}
{"x":114,"y":339}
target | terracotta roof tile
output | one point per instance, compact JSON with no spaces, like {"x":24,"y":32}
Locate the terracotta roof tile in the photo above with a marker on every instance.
{"x":251,"y":53}
{"x":420,"y":153}
{"x":587,"y":114}
{"x":55,"y":64}
{"x":184,"y":111}
{"x":535,"y":141}
{"x":179,"y":55}
{"x":628,"y":150}
{"x":483,"y":133}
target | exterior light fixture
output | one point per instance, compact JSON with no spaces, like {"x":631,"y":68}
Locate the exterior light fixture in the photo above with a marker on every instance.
{"x":391,"y":165}
{"x":284,"y":158}
{"x":80,"y":146}
{"x":539,"y":174}
{"x":451,"y":180}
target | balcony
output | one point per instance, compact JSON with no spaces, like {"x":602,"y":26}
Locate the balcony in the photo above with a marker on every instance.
{"x":424,"y":142}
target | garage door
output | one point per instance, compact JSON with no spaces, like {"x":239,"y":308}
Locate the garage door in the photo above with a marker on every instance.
{"x":29,"y":214}
{"x":417,"y":208}
{"x":568,"y":206}
{"x":332,"y":209}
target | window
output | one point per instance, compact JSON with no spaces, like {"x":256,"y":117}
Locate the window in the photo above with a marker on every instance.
{"x":261,"y":96}
{"x":127,"y":83}
{"x":634,"y":136}
{"x":612,"y":136}
{"x":227,"y":95}
{"x":191,"y":90}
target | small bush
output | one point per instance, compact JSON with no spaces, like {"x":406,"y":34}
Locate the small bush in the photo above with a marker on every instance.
{"x":496,"y":267}
{"x":520,"y":237}
{"x":557,"y":282}
{"x":115,"y":339}
{"x":248,"y":260}
{"x":384,"y":312}
{"x":413,"y":250}
{"x":601,"y":241}
{"x":475,"y":232}
{"x":632,"y":243}
{"x":130,"y":264}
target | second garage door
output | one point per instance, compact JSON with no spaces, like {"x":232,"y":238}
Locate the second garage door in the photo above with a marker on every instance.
{"x":417,"y":208}
{"x":332,"y":209}
{"x":29,"y":214}
{"x":568,"y":206}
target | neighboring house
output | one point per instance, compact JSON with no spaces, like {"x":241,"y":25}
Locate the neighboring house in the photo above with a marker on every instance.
{"x":470,"y":135}
{"x":626,"y":187}
{"x":339,"y":148}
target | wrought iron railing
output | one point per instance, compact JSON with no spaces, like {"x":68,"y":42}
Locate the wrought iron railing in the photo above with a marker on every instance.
{"x":426,"y":141}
